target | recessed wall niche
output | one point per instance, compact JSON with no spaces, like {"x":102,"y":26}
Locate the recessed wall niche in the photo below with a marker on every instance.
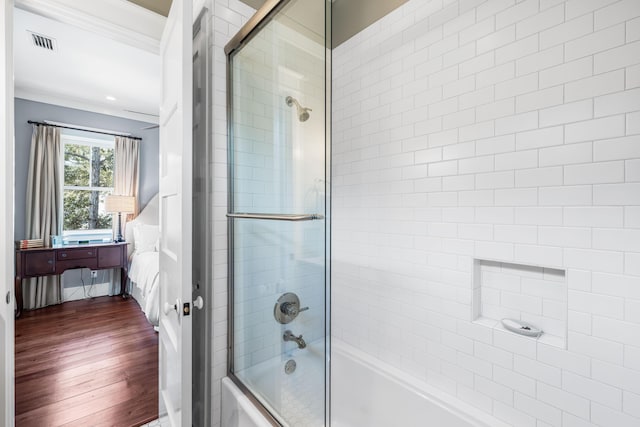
{"x":533,"y":294}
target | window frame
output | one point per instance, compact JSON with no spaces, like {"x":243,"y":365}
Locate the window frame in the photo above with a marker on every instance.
{"x":74,"y":236}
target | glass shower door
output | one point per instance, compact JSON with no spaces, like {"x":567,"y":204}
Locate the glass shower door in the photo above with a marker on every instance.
{"x":277,"y":213}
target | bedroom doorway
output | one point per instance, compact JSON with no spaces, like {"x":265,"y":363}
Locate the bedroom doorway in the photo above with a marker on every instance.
{"x":200,"y":390}
{"x":119,"y":319}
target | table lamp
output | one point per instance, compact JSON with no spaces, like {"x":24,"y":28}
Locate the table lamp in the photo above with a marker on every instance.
{"x":119,"y":205}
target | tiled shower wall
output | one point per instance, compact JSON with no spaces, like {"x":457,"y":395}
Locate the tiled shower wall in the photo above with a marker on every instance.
{"x":227,"y":17}
{"x":499,"y":130}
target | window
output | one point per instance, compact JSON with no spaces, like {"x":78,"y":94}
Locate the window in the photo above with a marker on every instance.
{"x":88,"y":179}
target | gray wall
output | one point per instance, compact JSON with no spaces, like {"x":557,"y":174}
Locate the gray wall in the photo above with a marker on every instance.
{"x":30,"y":110}
{"x":348,"y":18}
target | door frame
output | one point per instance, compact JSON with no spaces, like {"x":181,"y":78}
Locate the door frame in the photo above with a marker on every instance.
{"x":202,"y":213}
{"x":7,"y":393}
{"x":78,"y":18}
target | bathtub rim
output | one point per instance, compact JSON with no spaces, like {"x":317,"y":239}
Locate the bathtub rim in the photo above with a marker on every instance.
{"x":258,"y":407}
{"x":450,"y":403}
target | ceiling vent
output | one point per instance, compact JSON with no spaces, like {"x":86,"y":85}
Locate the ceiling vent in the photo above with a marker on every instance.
{"x":43,"y":42}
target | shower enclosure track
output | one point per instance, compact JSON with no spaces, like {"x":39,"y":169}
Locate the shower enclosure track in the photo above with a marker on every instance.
{"x":277,"y":217}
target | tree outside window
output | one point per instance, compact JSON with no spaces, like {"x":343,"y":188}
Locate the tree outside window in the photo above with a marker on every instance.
{"x":88,"y":179}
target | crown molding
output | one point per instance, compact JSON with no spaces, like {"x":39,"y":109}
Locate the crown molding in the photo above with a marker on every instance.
{"x":118,"y":20}
{"x":80,"y":104}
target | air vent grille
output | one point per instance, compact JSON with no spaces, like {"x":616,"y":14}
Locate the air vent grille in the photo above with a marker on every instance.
{"x":43,"y":42}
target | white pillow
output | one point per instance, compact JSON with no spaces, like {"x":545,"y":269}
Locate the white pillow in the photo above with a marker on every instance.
{"x":145,"y":237}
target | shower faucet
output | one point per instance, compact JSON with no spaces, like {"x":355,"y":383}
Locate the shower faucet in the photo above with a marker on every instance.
{"x":287,"y":308}
{"x":289,"y":336}
{"x":292,"y":309}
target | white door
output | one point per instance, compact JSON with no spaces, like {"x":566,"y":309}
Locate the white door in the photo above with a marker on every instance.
{"x":6,"y":214}
{"x":175,"y":215}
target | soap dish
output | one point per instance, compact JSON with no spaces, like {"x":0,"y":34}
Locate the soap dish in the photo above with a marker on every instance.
{"x":521,"y":327}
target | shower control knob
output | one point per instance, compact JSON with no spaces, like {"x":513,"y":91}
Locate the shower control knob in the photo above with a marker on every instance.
{"x":292,"y":309}
{"x":287,"y":308}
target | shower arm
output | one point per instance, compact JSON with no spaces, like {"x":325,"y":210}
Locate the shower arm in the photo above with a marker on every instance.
{"x":291,"y":100}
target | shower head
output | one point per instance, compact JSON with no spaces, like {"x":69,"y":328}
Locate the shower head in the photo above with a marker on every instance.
{"x":303,"y":113}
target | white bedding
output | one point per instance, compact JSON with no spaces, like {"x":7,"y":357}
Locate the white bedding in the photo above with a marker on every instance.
{"x":144,"y":269}
{"x":144,"y":273}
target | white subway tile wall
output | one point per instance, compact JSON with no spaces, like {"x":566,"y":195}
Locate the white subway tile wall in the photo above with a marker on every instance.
{"x":503,"y":130}
{"x":226,"y":19}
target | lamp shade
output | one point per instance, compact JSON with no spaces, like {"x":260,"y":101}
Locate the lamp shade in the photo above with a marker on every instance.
{"x":120,"y":204}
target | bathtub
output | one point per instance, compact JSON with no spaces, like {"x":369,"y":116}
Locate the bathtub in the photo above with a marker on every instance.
{"x":237,"y":409}
{"x":297,"y":395}
{"x":368,"y":393}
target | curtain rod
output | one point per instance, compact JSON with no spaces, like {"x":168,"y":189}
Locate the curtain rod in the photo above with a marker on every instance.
{"x":64,"y":126}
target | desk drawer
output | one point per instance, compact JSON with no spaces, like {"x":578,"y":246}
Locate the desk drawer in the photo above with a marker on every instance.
{"x":110,"y":257}
{"x":76,"y":253}
{"x":90,"y":263}
{"x":39,"y":263}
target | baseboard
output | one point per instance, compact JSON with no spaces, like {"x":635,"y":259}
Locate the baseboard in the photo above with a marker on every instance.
{"x":89,"y":291}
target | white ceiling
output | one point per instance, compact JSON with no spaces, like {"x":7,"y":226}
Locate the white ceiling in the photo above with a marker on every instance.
{"x":88,"y":65}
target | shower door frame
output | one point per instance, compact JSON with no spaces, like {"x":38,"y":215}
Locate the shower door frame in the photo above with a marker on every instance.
{"x":261,"y":18}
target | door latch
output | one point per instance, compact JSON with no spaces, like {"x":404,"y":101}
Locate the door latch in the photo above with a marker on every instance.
{"x":186,"y":309}
{"x":8,"y":298}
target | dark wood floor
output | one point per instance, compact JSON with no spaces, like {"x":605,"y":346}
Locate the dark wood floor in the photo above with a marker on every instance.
{"x":86,"y":363}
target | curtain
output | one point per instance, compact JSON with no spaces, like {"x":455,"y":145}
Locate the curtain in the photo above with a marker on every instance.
{"x":125,"y":183}
{"x":44,"y":205}
{"x":127,"y":168}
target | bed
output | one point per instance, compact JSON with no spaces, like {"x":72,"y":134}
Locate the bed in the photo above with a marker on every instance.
{"x":143,"y":236}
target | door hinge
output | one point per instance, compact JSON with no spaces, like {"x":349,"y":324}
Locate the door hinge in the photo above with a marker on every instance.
{"x":186,"y":309}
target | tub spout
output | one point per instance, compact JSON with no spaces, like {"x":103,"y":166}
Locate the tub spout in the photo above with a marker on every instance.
{"x":289,"y":336}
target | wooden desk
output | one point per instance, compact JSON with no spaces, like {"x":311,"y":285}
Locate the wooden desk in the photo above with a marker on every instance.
{"x":50,"y":261}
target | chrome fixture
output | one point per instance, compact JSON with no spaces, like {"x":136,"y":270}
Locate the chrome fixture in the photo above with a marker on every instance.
{"x":290,"y":367}
{"x":287,"y":308}
{"x":303,"y":112}
{"x":277,"y":217}
{"x":288,"y":336}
